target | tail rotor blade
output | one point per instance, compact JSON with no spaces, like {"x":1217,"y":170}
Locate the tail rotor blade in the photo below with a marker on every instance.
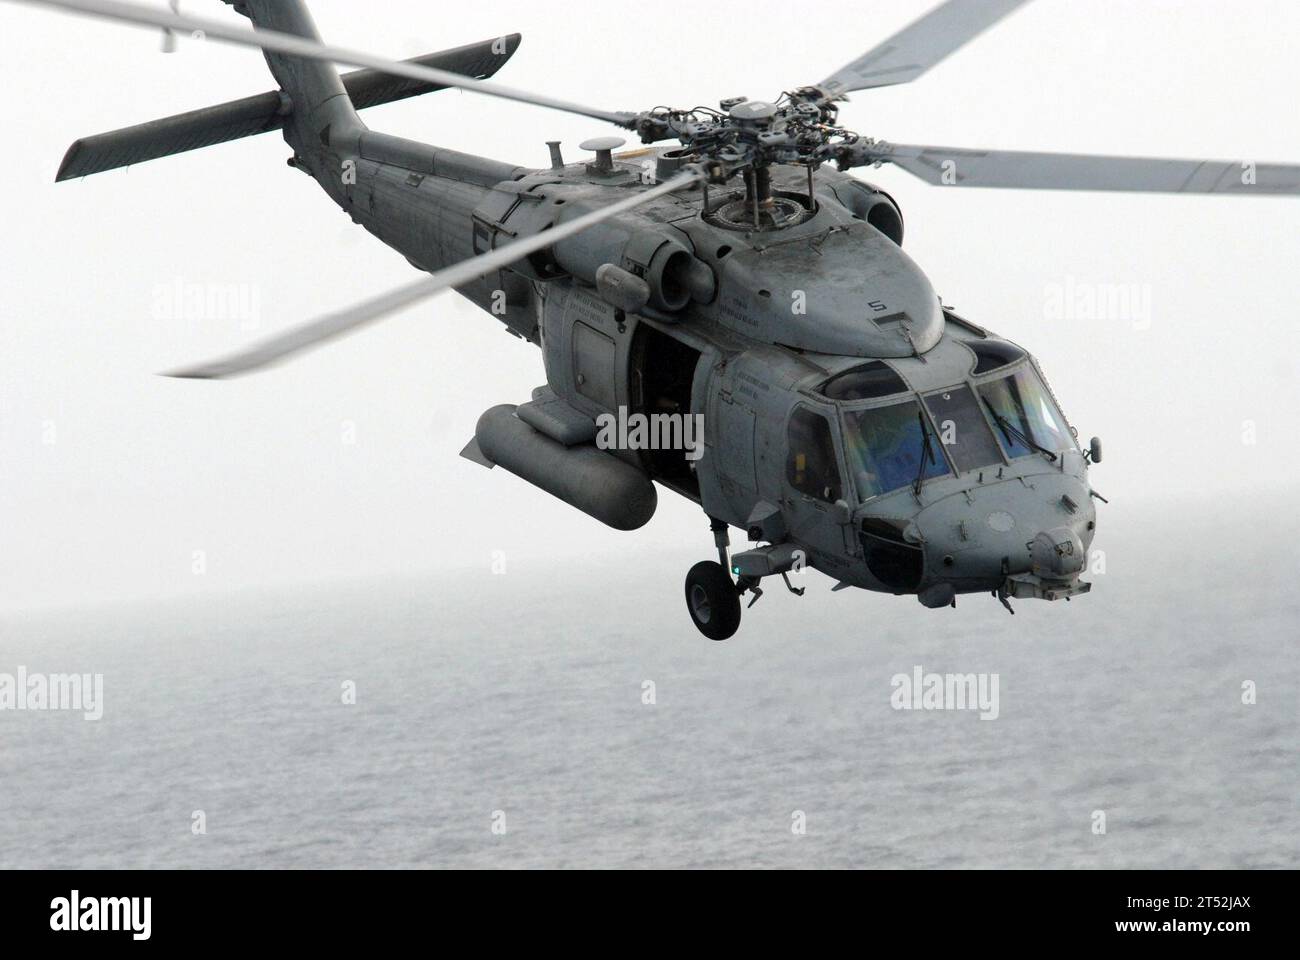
{"x":311,"y":50}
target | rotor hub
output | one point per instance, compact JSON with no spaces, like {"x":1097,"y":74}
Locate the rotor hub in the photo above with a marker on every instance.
{"x":747,"y":136}
{"x":753,"y":114}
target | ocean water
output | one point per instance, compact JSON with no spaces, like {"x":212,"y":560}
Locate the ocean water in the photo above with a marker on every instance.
{"x":518,"y":700}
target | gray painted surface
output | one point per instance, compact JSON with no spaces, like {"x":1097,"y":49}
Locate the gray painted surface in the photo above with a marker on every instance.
{"x":763,"y":316}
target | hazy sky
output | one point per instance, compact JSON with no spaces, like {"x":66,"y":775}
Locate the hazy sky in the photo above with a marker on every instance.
{"x":1165,"y":324}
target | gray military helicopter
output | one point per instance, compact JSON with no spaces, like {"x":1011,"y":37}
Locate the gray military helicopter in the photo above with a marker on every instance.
{"x":851,"y":423}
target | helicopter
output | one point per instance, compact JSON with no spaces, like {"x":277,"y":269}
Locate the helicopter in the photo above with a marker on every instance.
{"x":724,"y":311}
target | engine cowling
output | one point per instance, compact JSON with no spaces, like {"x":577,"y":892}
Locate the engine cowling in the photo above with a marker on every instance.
{"x":644,"y":249}
{"x":868,"y":202}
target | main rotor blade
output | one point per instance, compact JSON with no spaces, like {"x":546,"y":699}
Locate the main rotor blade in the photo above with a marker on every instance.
{"x":311,"y":50}
{"x":1022,"y":170}
{"x":345,"y":321}
{"x":918,"y":47}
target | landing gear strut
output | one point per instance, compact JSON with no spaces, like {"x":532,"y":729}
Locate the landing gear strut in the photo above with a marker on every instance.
{"x":712,"y":597}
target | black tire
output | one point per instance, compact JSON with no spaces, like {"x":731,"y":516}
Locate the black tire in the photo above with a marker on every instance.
{"x":712,"y":600}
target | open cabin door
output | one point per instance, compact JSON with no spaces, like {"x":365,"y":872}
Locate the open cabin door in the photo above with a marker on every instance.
{"x":661,"y":375}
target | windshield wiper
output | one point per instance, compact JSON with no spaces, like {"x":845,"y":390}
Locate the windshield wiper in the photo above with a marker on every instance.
{"x":1009,"y":431}
{"x":927,"y":454}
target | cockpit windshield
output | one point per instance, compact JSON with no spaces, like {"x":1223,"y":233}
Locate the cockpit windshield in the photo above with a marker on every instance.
{"x":1022,"y":409}
{"x":886,"y":447}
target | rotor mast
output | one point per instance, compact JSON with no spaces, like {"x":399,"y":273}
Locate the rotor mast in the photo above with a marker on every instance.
{"x":754,"y":118}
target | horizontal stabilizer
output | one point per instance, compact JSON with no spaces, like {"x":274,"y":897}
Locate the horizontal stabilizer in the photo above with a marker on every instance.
{"x":266,"y":111}
{"x":474,"y":453}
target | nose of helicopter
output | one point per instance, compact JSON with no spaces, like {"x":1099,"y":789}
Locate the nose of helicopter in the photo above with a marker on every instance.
{"x":1022,"y":537}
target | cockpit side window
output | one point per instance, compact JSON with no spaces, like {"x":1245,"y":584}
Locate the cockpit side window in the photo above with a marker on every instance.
{"x":871,"y":380}
{"x":812,"y":467}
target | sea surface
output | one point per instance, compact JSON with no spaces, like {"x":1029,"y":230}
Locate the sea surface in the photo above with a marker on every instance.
{"x":508,"y":721}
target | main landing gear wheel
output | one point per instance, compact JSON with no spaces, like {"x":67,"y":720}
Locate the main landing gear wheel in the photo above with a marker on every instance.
{"x":712,"y":600}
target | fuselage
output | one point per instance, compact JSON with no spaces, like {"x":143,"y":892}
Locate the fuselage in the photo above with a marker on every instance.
{"x":898,"y":447}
